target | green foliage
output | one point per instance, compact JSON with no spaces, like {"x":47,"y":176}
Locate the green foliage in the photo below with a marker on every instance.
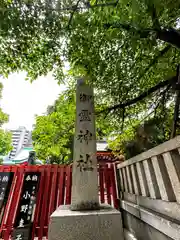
{"x":144,"y":136}
{"x":5,"y":136}
{"x":5,"y":142}
{"x":119,"y":46}
{"x":53,"y":132}
{"x":124,"y":49}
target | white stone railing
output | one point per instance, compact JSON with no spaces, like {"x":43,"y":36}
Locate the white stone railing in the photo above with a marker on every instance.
{"x":155,"y":173}
{"x":149,"y":189}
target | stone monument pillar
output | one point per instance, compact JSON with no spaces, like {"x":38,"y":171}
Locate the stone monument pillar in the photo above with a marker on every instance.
{"x":85,"y":177}
{"x":85,"y":218}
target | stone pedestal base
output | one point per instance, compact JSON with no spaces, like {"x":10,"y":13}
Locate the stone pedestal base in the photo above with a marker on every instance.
{"x":103,"y":224}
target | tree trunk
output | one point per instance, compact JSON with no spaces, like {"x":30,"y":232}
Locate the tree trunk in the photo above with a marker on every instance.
{"x":176,"y":107}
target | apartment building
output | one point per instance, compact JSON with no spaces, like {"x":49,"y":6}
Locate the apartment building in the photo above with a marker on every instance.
{"x":20,"y":138}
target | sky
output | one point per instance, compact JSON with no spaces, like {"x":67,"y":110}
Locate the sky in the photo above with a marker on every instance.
{"x":22,"y":99}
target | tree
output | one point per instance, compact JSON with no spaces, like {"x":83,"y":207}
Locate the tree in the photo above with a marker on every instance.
{"x":125,"y":47}
{"x":5,"y":136}
{"x":128,"y":49}
{"x":143,"y":136}
{"x":54,"y":132}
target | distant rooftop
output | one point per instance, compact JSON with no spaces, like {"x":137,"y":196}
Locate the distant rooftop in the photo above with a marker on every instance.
{"x":101,"y":146}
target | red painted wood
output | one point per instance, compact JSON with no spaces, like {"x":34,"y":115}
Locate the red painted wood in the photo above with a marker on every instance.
{"x":54,"y":190}
{"x":3,"y":227}
{"x":101,"y":183}
{"x":68,"y":185}
{"x":61,"y":185}
{"x":113,"y":187}
{"x":38,"y":203}
{"x":45,"y":202}
{"x":15,"y":201}
{"x":107,"y":184}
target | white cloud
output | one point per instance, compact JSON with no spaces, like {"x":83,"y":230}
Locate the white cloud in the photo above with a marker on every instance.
{"x":22,"y":99}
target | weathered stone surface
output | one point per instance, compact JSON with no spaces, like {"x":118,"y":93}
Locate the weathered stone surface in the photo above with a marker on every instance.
{"x":151,"y":179}
{"x":162,"y":224}
{"x":129,"y":197}
{"x":126,"y":189}
{"x":103,"y":224}
{"x":131,"y":208}
{"x":129,"y":179}
{"x":84,"y":177}
{"x":172,"y":161}
{"x":128,"y":235}
{"x":135,"y":180}
{"x":142,"y":179}
{"x":140,"y":229}
{"x":121,"y":180}
{"x":157,"y":221}
{"x":169,"y":209}
{"x":163,"y":180}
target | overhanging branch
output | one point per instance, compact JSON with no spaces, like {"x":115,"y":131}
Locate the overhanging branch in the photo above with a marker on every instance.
{"x":72,"y":14}
{"x":154,"y":60}
{"x":168,"y":35}
{"x":141,"y":96}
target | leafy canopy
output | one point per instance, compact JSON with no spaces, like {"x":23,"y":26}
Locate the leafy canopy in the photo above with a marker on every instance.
{"x":54,"y":131}
{"x":125,"y":47}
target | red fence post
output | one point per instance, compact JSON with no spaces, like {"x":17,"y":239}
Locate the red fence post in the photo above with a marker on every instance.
{"x":43,"y":213}
{"x":113,"y":186}
{"x":68,"y":184}
{"x":107,"y":184}
{"x":14,"y":203}
{"x":39,"y":201}
{"x":101,"y":183}
{"x":61,"y":185}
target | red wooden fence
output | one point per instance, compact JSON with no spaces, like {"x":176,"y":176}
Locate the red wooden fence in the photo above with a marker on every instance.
{"x":54,"y":190}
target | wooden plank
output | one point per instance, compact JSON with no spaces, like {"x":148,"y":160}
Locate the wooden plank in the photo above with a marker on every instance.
{"x":9,"y":201}
{"x":101,"y":183}
{"x":68,"y":185}
{"x":61,"y":186}
{"x":53,"y":190}
{"x":44,"y":203}
{"x":37,"y":214}
{"x":107,"y":184}
{"x":113,"y":187}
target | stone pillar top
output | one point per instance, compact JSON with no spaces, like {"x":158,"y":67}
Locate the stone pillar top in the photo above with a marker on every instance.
{"x":81,"y":81}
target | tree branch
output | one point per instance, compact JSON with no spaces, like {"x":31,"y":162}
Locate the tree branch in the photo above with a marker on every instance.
{"x":72,"y":14}
{"x":154,"y":60}
{"x":154,"y":16}
{"x":152,"y":11}
{"x":168,"y":35}
{"x":176,"y":107}
{"x":141,"y":96}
